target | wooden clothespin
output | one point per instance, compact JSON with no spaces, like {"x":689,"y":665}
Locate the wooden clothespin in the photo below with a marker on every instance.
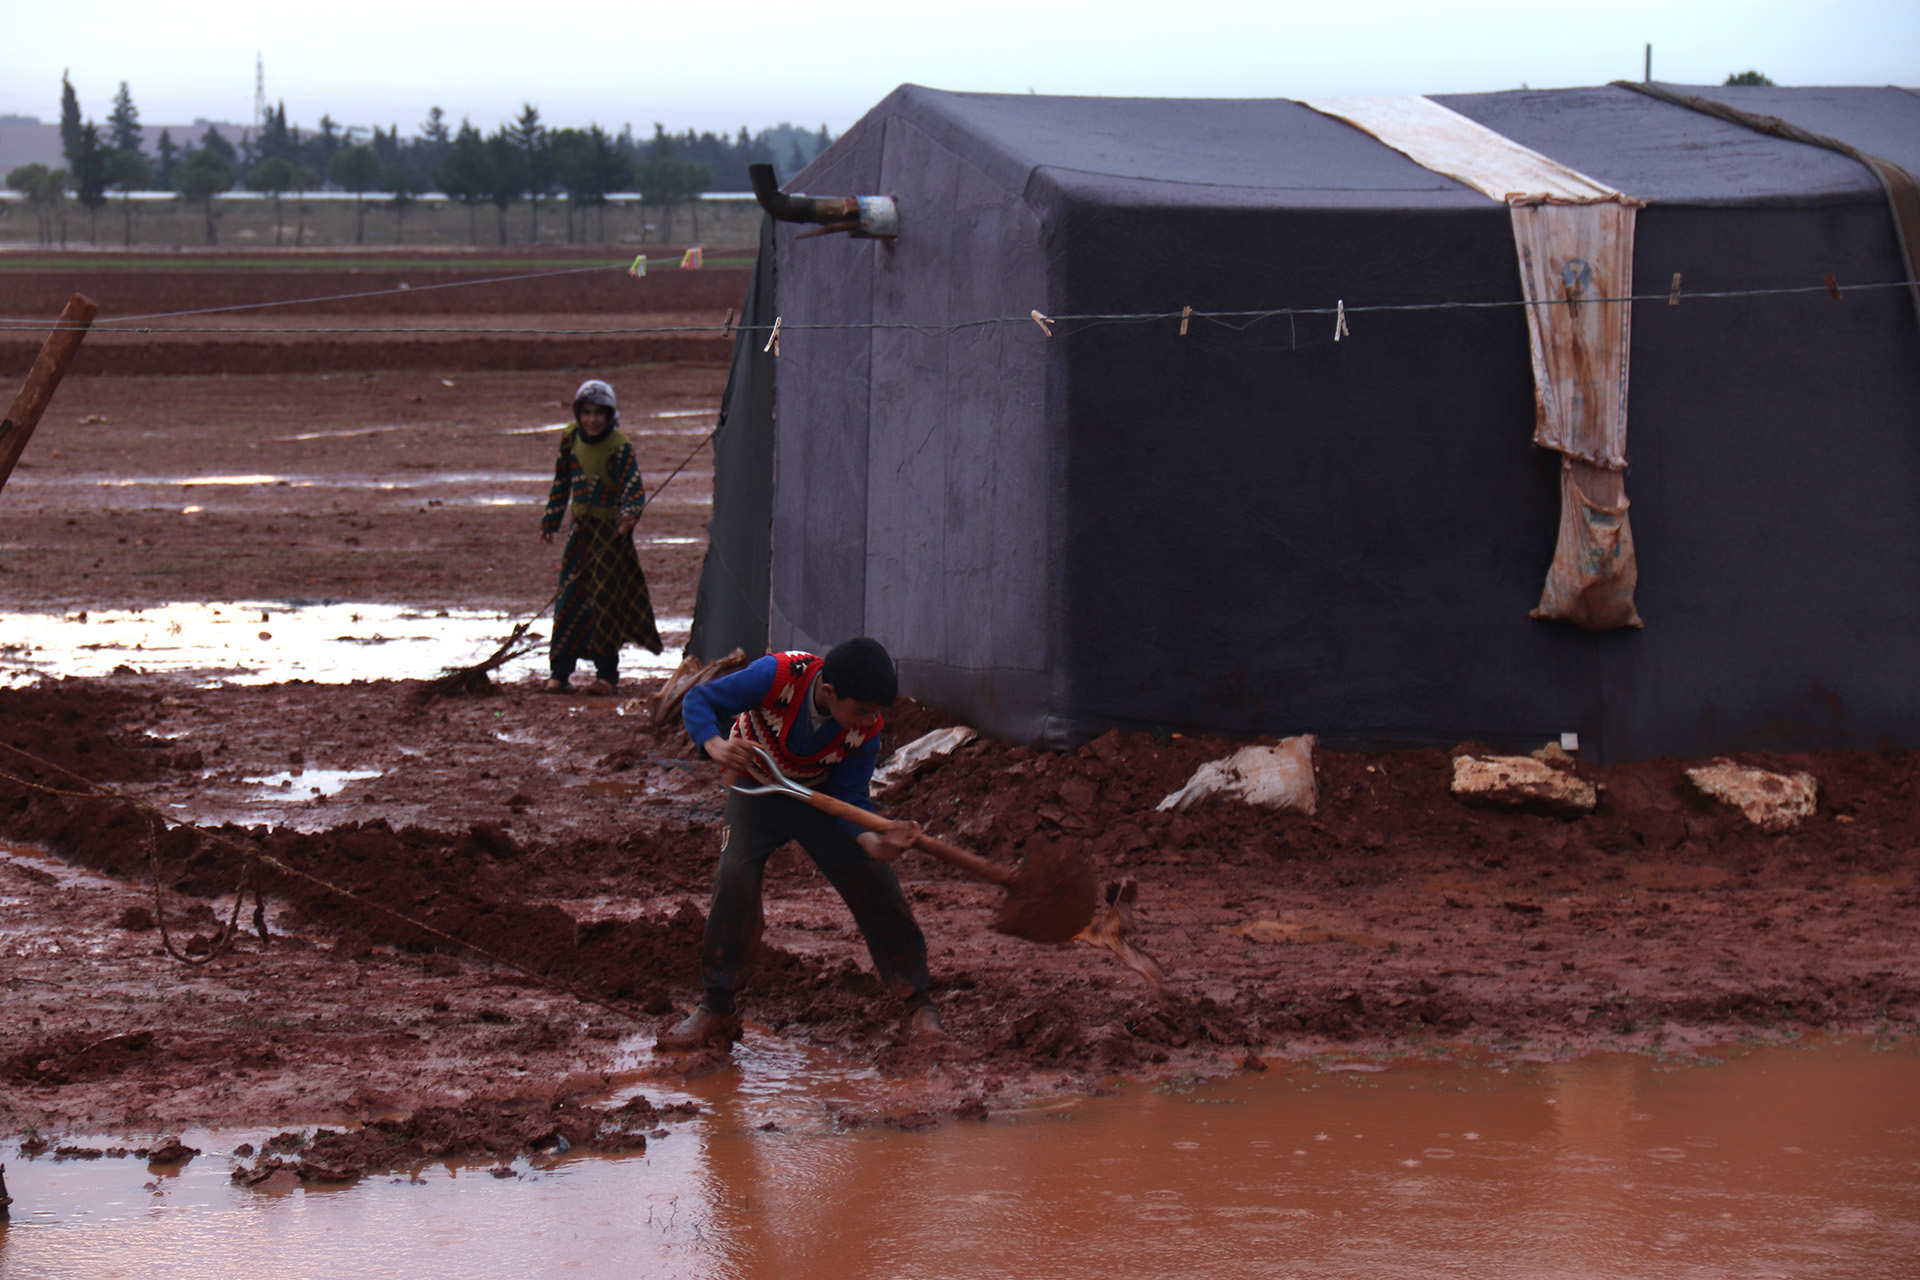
{"x":1186,"y":314}
{"x":1043,"y":322}
{"x":1673,"y":294}
{"x":773,"y":339}
{"x":1340,"y":320}
{"x":727,"y":329}
{"x":1833,"y":286}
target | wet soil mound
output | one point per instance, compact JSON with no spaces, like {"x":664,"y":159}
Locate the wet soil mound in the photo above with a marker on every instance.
{"x":1395,"y":916}
{"x":72,"y":1056}
{"x":73,"y":724}
{"x":499,"y":1129}
{"x":472,"y":886}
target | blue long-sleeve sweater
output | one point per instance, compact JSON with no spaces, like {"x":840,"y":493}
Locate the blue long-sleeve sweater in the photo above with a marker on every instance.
{"x":709,"y":710}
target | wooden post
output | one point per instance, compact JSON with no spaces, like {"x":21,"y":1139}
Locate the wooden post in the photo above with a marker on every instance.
{"x":42,"y":380}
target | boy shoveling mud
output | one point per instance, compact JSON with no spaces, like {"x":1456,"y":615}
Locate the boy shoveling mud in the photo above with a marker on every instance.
{"x":820,"y":720}
{"x":603,"y":602}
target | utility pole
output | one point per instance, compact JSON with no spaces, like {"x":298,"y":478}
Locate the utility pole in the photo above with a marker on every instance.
{"x":260,"y":92}
{"x":1647,"y":75}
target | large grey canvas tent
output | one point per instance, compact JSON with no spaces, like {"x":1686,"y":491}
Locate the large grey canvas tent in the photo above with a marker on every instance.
{"x":1255,"y":528}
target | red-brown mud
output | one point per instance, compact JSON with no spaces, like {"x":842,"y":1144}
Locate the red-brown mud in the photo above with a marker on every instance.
{"x":371,"y":487}
{"x":518,"y":294}
{"x":1395,"y":922}
{"x":562,"y":836}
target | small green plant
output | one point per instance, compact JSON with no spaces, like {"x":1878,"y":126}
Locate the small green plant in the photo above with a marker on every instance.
{"x":1185,"y":1082}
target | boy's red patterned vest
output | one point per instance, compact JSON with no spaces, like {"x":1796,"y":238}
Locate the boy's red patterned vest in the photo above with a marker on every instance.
{"x":768,"y":724}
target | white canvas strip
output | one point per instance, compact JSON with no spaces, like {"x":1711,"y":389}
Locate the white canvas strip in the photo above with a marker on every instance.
{"x":1445,"y":141}
{"x":1574,"y":239}
{"x":1572,"y":255}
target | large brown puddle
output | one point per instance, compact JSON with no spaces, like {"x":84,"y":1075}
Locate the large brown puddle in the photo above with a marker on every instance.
{"x":1782,"y":1162}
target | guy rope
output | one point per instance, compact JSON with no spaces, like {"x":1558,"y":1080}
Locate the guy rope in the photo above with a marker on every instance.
{"x":253,"y":859}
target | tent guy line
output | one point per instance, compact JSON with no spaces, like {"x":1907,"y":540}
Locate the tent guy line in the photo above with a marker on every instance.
{"x":341,"y":297}
{"x":1223,"y":318}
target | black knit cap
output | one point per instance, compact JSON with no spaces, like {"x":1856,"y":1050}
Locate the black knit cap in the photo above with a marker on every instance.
{"x":861,"y":669}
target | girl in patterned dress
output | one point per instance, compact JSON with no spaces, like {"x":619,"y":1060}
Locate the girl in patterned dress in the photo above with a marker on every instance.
{"x":603,"y":602}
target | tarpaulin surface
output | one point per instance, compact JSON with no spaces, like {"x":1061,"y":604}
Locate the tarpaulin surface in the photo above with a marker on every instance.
{"x":1437,"y":138}
{"x":1255,"y":529}
{"x":1897,"y":179}
{"x":1574,"y":239}
{"x":730,"y":611}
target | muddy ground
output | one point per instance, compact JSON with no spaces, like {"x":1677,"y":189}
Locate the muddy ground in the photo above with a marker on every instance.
{"x":566,"y":838}
{"x":376,"y":311}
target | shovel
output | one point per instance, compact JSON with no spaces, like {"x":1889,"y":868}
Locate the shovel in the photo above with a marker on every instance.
{"x":1050,"y":895}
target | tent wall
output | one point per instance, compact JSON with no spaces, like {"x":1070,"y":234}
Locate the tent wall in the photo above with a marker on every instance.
{"x":962,"y":465}
{"x":1259,"y":530}
{"x":1776,"y":489}
{"x":731,"y":609}
{"x":1271,"y":532}
{"x":1775,"y":479}
{"x":822,"y":417}
{"x":916,"y":471}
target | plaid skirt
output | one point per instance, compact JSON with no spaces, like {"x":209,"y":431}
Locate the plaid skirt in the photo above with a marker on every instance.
{"x":603,"y":602}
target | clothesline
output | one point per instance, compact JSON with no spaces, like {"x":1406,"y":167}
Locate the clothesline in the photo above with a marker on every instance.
{"x":1232,"y":319}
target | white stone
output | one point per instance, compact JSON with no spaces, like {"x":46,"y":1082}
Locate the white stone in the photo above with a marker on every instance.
{"x":1276,"y":777}
{"x":1521,"y":782}
{"x":1771,"y":801}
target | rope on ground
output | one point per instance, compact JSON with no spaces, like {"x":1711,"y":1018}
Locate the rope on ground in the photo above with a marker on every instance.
{"x":253,"y":857}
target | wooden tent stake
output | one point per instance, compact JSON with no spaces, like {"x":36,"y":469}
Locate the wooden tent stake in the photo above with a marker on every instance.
{"x":42,"y":380}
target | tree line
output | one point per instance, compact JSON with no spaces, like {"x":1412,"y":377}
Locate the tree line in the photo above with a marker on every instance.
{"x":523,"y":160}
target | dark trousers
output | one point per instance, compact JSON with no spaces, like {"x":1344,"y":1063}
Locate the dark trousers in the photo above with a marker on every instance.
{"x":605,"y":665}
{"x":758,"y":825}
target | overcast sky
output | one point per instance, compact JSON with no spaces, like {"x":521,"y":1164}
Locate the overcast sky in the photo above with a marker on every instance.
{"x":717,"y":67}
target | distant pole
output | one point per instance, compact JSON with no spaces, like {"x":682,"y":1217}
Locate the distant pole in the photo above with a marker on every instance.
{"x":1647,"y":75}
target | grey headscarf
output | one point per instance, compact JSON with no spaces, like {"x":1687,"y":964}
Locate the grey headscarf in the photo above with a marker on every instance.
{"x":594,"y":391}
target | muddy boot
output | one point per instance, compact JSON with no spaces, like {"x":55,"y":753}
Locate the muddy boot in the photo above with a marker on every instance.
{"x":554,"y":685}
{"x":924,"y":1024}
{"x":599,"y":689}
{"x":700,"y":1029}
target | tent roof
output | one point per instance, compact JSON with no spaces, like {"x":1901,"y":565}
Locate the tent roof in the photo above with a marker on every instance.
{"x":1884,"y":121}
{"x":1266,"y":152}
{"x":1657,"y":151}
{"x":1181,"y":150}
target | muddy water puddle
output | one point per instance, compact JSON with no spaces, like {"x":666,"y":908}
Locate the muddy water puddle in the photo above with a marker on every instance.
{"x":265,"y":642}
{"x":302,"y":784}
{"x":1782,"y":1162}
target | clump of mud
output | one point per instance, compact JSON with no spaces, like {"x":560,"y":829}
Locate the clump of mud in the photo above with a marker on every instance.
{"x":1051,"y":896}
{"x":501,"y":1129}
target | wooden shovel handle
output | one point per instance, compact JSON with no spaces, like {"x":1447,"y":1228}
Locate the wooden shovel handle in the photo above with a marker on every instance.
{"x":973,"y":864}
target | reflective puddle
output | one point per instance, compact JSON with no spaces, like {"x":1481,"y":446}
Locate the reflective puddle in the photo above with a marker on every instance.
{"x":1794,"y":1162}
{"x":264,"y":642}
{"x":304,"y":784}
